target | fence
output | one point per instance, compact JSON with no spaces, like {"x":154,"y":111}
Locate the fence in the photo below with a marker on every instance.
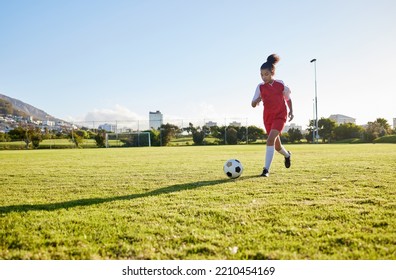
{"x":122,"y":126}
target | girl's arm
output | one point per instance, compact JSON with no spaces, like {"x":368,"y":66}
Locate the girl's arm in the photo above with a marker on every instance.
{"x":290,"y":105}
{"x":286,"y":95}
{"x":257,"y":97}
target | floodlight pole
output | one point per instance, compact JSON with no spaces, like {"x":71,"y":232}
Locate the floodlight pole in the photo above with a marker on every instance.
{"x":316,"y":104}
{"x":313,"y":120}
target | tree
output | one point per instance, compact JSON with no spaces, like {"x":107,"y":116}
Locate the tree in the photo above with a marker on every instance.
{"x":33,"y":135}
{"x":46,"y":134}
{"x":100,"y":139}
{"x":190,"y":128}
{"x":311,"y":129}
{"x":347,"y":131}
{"x":326,"y":127}
{"x":241,"y":133}
{"x":285,"y":137}
{"x":198,"y":136}
{"x":4,"y":137}
{"x":215,"y":132}
{"x":17,"y":133}
{"x":295,"y":135}
{"x":226,"y":134}
{"x":232,"y":136}
{"x":255,"y":133}
{"x":76,"y":138}
{"x":378,"y":128}
{"x":155,"y":137}
{"x":82,"y":133}
{"x":27,"y":134}
{"x":308,"y":137}
{"x":167,"y":132}
{"x":372,"y":131}
{"x":385,"y":128}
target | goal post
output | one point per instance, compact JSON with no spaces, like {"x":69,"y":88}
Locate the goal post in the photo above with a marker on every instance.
{"x":128,"y":139}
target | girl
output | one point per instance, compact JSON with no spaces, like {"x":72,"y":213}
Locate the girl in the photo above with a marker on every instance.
{"x":274,"y":95}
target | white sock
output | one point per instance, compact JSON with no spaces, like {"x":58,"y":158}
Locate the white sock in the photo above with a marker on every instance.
{"x":284,"y":152}
{"x":269,"y":155}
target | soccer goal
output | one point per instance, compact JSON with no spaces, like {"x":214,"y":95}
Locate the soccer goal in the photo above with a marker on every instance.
{"x":128,"y":139}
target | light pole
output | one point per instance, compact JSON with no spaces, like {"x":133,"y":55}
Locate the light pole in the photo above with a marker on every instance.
{"x":316,"y":105}
{"x":313,"y":119}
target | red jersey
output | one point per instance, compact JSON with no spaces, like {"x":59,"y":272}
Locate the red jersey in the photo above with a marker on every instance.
{"x":273,"y":96}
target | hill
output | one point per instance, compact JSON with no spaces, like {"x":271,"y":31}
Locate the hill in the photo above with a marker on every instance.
{"x":12,"y":106}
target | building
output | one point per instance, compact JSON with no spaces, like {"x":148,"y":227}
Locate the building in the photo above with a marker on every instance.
{"x":108,"y":127}
{"x":394,"y":123}
{"x":210,"y":124}
{"x":155,"y":119}
{"x":292,"y":125}
{"x":235,"y":124}
{"x":48,"y":123}
{"x":341,"y":119}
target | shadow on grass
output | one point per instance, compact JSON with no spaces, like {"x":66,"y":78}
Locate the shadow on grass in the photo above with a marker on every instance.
{"x":93,"y":201}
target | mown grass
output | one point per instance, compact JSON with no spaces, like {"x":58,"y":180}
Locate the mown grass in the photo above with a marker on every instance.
{"x":336,"y":202}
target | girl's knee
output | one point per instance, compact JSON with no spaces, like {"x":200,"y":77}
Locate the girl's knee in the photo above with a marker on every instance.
{"x":270,"y":141}
{"x":272,"y":137}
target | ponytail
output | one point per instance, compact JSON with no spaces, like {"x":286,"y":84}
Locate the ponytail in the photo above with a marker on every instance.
{"x":270,"y":63}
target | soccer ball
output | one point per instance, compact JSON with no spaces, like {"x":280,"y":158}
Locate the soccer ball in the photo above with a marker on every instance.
{"x":233,"y":168}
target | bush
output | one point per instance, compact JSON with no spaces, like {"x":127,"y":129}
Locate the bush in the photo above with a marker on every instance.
{"x":232,"y":136}
{"x":100,"y":139}
{"x":198,"y":137}
{"x":36,"y":139}
{"x":4,"y":137}
{"x":350,"y":141}
{"x":386,"y":139}
{"x":347,"y":131}
{"x":295,"y":135}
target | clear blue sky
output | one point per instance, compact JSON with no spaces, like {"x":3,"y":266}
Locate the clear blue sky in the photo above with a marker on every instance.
{"x":108,"y":60}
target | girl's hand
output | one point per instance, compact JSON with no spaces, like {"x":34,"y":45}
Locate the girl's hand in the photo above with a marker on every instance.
{"x":291,"y":116}
{"x":256,"y":102}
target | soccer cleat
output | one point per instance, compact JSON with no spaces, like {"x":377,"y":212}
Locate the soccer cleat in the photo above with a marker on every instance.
{"x":265,"y":173}
{"x":288,"y":160}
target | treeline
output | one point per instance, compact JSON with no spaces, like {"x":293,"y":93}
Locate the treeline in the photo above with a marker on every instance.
{"x":33,"y":136}
{"x":213,"y":135}
{"x":328,"y":131}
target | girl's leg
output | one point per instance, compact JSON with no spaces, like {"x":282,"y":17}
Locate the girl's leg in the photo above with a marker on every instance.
{"x":278,"y":144}
{"x":280,"y":149}
{"x":269,"y":154}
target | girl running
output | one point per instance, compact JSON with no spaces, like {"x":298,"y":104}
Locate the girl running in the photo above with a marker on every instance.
{"x":275,"y":95}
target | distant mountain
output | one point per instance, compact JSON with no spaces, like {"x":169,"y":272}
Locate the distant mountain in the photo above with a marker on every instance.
{"x":19,"y":108}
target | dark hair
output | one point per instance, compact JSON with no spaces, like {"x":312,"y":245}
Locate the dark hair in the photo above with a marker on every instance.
{"x":270,"y":64}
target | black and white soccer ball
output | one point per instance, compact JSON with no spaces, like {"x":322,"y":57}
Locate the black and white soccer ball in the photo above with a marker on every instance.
{"x":233,"y":168}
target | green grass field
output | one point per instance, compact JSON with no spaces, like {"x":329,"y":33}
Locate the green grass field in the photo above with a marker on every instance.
{"x":336,"y":202}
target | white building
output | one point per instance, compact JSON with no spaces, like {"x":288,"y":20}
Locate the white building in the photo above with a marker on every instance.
{"x":210,"y":124}
{"x":235,"y":124}
{"x":292,"y":125}
{"x":394,"y":123}
{"x":48,"y":123}
{"x":155,"y":119}
{"x":108,"y":127}
{"x":341,"y":119}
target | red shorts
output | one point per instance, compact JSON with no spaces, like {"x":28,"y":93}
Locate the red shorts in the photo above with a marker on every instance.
{"x":277,"y":123}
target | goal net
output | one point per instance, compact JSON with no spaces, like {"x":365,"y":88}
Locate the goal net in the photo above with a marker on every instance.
{"x":128,"y":139}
